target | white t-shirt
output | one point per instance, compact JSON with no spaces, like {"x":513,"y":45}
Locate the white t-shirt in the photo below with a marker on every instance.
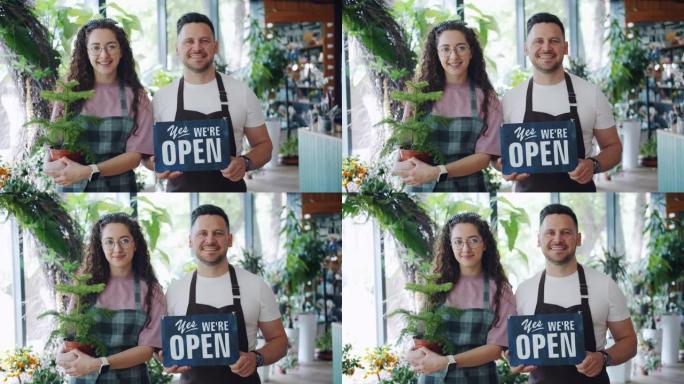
{"x":245,"y":109}
{"x":256,"y":298}
{"x":593,"y":107}
{"x":606,"y":301}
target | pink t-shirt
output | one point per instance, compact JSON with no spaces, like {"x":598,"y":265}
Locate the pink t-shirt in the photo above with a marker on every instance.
{"x":455,"y":102}
{"x":105,"y":103}
{"x":119,"y":294}
{"x":467,"y":293}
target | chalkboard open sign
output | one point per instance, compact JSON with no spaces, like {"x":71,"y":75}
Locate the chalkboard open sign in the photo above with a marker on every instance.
{"x":197,"y":340}
{"x":191,"y":145}
{"x":545,"y":147}
{"x":556,"y":339}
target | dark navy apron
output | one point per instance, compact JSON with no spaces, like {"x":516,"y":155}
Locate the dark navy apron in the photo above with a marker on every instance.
{"x":567,"y":374}
{"x":555,"y":182}
{"x":219,"y":374}
{"x":206,"y":181}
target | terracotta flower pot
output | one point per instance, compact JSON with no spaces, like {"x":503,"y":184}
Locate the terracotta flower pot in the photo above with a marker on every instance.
{"x":434,"y":347}
{"x":649,"y":161}
{"x":405,"y":154}
{"x":289,"y":160}
{"x":70,"y":345}
{"x":57,"y":153}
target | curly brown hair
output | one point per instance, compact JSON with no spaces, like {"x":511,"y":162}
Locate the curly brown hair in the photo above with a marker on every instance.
{"x":431,"y":68}
{"x":445,"y":264}
{"x":96,"y":264}
{"x":81,"y":70}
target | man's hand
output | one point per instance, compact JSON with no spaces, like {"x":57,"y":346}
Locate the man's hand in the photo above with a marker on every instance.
{"x":592,"y":364}
{"x":173,"y":368}
{"x":415,"y":172}
{"x":166,"y":175}
{"x":520,"y":368}
{"x":246,"y":364}
{"x":82,"y":365}
{"x":584,"y":171}
{"x":236,"y":169}
{"x":513,"y":176}
{"x":72,"y":172}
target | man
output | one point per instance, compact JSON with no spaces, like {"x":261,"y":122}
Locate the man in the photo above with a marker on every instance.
{"x":566,"y":287}
{"x":554,"y":95}
{"x":202,"y":93}
{"x":219,"y":287}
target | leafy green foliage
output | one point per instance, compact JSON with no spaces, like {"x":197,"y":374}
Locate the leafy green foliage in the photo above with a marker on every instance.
{"x":152,"y":217}
{"x":268,"y":60}
{"x":289,"y":147}
{"x":649,"y":148}
{"x":415,"y":132}
{"x":66,"y":131}
{"x":157,"y":374}
{"x":429,"y":322}
{"x":349,"y":362}
{"x":401,"y":374}
{"x":47,"y":374}
{"x":627,"y":65}
{"x":324,"y":341}
{"x":503,"y":370}
{"x":78,"y":324}
{"x":378,"y":199}
{"x":252,"y":261}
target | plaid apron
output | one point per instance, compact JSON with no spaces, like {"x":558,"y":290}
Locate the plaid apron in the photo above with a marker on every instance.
{"x":107,"y":140}
{"x":455,"y":141}
{"x":467,"y":331}
{"x":119,"y":333}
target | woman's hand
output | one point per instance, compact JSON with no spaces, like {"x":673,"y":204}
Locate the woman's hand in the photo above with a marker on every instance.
{"x":52,"y":168}
{"x":415,"y":172}
{"x":425,"y":362}
{"x":71,"y":172}
{"x":64,"y":358}
{"x":82,"y":365}
{"x":173,"y":368}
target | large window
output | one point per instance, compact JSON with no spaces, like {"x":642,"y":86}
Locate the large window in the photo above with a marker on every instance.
{"x":233,"y":16}
{"x":592,"y":49}
{"x":267,"y":212}
{"x":6,"y":286}
{"x":144,"y":43}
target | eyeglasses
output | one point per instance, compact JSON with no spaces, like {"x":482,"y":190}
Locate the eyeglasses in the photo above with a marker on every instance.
{"x":111,"y":49}
{"x":124,"y":243}
{"x":472,"y":242}
{"x":459,"y":50}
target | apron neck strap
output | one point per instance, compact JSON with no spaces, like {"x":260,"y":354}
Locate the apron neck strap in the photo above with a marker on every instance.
{"x":136,"y":289}
{"x":584,"y":290}
{"x":122,"y":98}
{"x":234,"y":285}
{"x":485,"y":291}
{"x":572,"y":98}
{"x":473,"y":100}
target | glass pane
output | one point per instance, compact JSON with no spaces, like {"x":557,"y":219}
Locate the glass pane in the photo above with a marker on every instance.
{"x":174,"y":10}
{"x":630,"y":225}
{"x":592,"y":49}
{"x":38,"y":297}
{"x":144,"y":43}
{"x":524,"y":259}
{"x":267,"y":211}
{"x":175,"y":257}
{"x":232,"y":21}
{"x":590,"y":209}
{"x":501,"y":48}
{"x":358,"y":285}
{"x":6,"y":286}
{"x":234,"y":206}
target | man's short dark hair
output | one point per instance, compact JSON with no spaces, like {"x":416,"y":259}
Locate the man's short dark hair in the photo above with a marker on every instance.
{"x":208,"y":209}
{"x":193,"y":17}
{"x":557,"y":209}
{"x":544,"y":17}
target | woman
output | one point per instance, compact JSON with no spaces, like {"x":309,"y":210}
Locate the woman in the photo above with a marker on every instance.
{"x":117,"y":255}
{"x":453,"y":62}
{"x":466,"y":255}
{"x":102,"y":61}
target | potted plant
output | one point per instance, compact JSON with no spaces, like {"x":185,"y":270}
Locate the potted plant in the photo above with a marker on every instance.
{"x":77,"y":326}
{"x":289,"y":151}
{"x":349,"y":361}
{"x":648,"y":153}
{"x":252,"y":261}
{"x":413,"y":135}
{"x":427,"y":326}
{"x":324,"y":346}
{"x":64,"y":135}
